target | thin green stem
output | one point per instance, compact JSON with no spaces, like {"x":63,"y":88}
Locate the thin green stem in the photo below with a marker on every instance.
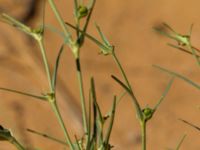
{"x":44,"y":57}
{"x":60,"y":20}
{"x":17,"y":144}
{"x":121,"y":70}
{"x":143,"y":130}
{"x":52,"y":100}
{"x":82,"y":96}
{"x":180,"y":142}
{"x":61,"y":122}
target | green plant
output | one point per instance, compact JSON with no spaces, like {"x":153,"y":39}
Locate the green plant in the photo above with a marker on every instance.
{"x":184,"y":45}
{"x":96,"y":136}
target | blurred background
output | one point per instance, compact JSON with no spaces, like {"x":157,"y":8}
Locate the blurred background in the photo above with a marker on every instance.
{"x":128,"y":25}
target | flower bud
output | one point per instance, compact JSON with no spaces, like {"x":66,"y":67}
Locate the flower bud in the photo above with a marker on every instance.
{"x":82,"y":11}
{"x":148,"y":113}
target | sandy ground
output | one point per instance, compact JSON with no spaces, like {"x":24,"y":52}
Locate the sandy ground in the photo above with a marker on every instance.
{"x":128,"y":25}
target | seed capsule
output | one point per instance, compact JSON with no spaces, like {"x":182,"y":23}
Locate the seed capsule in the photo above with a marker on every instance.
{"x":148,"y":113}
{"x":82,"y":11}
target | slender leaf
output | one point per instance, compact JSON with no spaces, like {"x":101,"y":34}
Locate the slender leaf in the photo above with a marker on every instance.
{"x":88,"y":36}
{"x":136,"y":104}
{"x":118,"y":99}
{"x":55,"y":72}
{"x":168,"y":27}
{"x":178,"y":75}
{"x":180,"y":142}
{"x":121,"y":70}
{"x":77,"y":143}
{"x":94,"y":134}
{"x":47,"y":136}
{"x":75,"y":8}
{"x":191,"y":28}
{"x":181,"y":49}
{"x":190,"y":124}
{"x":99,"y":119}
{"x":164,"y":94}
{"x":163,"y":32}
{"x":194,"y":54}
{"x":89,"y":120}
{"x":23,"y":93}
{"x":104,"y":39}
{"x":106,"y":141}
{"x":110,"y":48}
{"x":122,"y":84}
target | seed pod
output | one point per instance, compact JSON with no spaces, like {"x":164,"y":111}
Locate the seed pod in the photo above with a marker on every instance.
{"x":148,"y":113}
{"x":82,"y":11}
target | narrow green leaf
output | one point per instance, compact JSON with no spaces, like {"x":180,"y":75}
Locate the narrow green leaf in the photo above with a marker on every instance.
{"x":94,"y":134}
{"x":136,"y":104}
{"x":180,"y":142}
{"x":102,"y":46}
{"x":110,"y":48}
{"x":109,"y":130}
{"x":191,"y":28}
{"x":23,"y":93}
{"x":55,"y":72}
{"x":190,"y":124}
{"x":196,"y":49}
{"x":181,"y":49}
{"x":103,"y":37}
{"x":121,"y":71}
{"x":164,"y":33}
{"x":47,"y":136}
{"x":99,"y":119}
{"x":178,"y":75}
{"x":122,"y":84}
{"x":77,"y":143}
{"x":164,"y":94}
{"x":194,"y":54}
{"x":118,"y":99}
{"x":94,"y":99}
{"x":169,"y":28}
{"x":89,"y":121}
{"x":75,"y":8}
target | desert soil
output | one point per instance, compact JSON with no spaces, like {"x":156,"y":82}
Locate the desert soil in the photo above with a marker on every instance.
{"x":128,"y":25}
